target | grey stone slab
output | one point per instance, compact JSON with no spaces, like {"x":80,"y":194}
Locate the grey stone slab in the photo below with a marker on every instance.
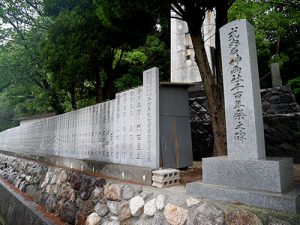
{"x":245,"y":137}
{"x":275,"y":74}
{"x":273,"y":174}
{"x":289,"y":201}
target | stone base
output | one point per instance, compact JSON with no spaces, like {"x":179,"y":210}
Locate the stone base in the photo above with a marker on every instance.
{"x":272,"y":174}
{"x":289,"y":201}
{"x":140,"y":175}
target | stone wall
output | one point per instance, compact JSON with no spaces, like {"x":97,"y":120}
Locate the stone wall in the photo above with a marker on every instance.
{"x":281,"y":124}
{"x":87,"y":200}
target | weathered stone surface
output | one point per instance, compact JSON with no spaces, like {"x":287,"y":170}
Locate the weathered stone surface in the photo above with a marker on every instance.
{"x":63,"y":177}
{"x":241,"y":217}
{"x":150,"y":207}
{"x":93,"y":219}
{"x":124,"y":211}
{"x":206,"y":214}
{"x":146,"y":195}
{"x":86,"y":208}
{"x":68,"y":212}
{"x":136,"y":205}
{"x":75,"y":181}
{"x":113,"y":207}
{"x":51,"y":203}
{"x":31,"y":190}
{"x":128,"y":192}
{"x":66,"y":193}
{"x":175,"y":215}
{"x":100,"y":182}
{"x":112,"y":192}
{"x":160,"y":201}
{"x":158,"y":219}
{"x":97,"y":193}
{"x":101,"y":208}
{"x":192,"y":201}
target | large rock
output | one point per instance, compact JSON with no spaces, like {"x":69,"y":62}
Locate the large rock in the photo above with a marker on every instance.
{"x":93,"y":219}
{"x":68,"y":212}
{"x":112,"y":192}
{"x":160,"y":201}
{"x":124,"y":211}
{"x":241,"y":217}
{"x":101,"y":208}
{"x":206,"y":214}
{"x":136,"y":205}
{"x":175,"y":215}
{"x":51,"y":203}
{"x":128,"y":192}
{"x":150,"y":207}
{"x":86,"y":208}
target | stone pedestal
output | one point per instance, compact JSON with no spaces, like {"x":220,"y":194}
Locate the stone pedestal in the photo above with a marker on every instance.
{"x":246,"y":176}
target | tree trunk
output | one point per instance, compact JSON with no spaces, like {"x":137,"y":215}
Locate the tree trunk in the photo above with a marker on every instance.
{"x":212,"y":90}
{"x":99,"y":97}
{"x":73,"y":97}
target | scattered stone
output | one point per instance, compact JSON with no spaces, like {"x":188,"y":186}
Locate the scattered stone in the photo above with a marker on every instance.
{"x":150,"y":207}
{"x":242,"y":217}
{"x":136,"y":205}
{"x":93,"y":219}
{"x":175,"y":215}
{"x":206,"y":214}
{"x":192,"y":201}
{"x":112,"y":192}
{"x":160,"y":202}
{"x":124,"y":211}
{"x":31,"y":190}
{"x":128,"y":192}
{"x":101,"y":208}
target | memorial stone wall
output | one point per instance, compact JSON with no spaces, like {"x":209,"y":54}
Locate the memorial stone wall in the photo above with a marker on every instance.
{"x":124,"y":130}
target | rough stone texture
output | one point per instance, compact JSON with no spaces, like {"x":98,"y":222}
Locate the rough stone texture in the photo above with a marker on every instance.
{"x":160,"y":201}
{"x":241,"y":217}
{"x":150,"y":207}
{"x":112,"y":192}
{"x":68,"y":212}
{"x":175,"y":215}
{"x":51,"y":203}
{"x":93,"y":219}
{"x":206,"y":214}
{"x":158,"y":219}
{"x":128,"y":192}
{"x":136,"y":206}
{"x":274,"y":175}
{"x":101,"y":208}
{"x":113,"y":207}
{"x":192,"y":201}
{"x":124,"y":212}
{"x":85,"y":209}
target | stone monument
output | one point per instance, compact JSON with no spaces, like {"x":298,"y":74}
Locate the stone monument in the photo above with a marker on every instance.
{"x":275,"y":74}
{"x":246,"y":175}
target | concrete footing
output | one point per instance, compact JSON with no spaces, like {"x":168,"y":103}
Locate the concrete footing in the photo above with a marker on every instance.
{"x":288,"y":201}
{"x":139,"y":175}
{"x":17,"y":211}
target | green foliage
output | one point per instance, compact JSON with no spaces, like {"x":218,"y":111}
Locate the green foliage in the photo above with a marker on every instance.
{"x":277,"y":26}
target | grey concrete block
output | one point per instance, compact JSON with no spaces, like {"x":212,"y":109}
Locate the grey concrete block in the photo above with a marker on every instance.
{"x":273,"y":174}
{"x":289,"y":201}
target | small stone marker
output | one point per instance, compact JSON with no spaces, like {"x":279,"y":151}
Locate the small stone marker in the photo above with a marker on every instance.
{"x":246,"y":175}
{"x":275,"y":73}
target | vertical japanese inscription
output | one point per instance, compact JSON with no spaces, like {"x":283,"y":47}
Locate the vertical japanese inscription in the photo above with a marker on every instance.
{"x":237,"y":82}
